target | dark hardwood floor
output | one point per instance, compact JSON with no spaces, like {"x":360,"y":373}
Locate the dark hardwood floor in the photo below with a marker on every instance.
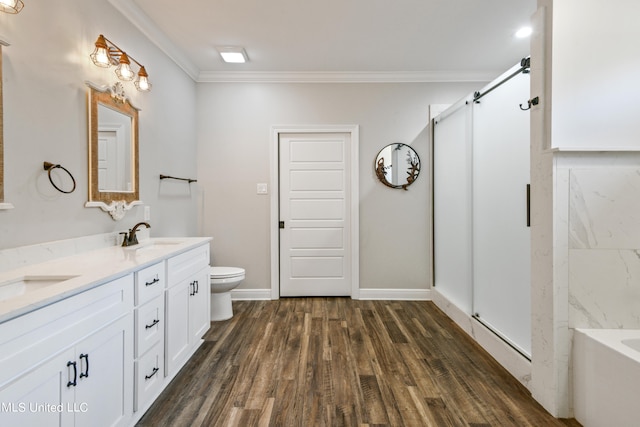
{"x":341,"y":362}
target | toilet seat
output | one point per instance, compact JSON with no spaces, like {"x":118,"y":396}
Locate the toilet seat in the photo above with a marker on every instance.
{"x":225,"y":272}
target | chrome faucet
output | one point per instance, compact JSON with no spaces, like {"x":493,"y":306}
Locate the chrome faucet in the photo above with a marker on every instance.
{"x":130,"y":239}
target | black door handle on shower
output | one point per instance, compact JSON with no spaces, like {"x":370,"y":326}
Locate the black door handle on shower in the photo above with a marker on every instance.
{"x":528,"y":205}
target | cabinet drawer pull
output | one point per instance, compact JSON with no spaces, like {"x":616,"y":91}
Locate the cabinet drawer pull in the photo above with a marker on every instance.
{"x":75,"y":374}
{"x":154,"y":323}
{"x":155,"y":371}
{"x":84,"y":374}
{"x":154,"y":281}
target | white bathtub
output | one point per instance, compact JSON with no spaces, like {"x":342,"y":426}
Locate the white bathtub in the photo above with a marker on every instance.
{"x":606,"y":377}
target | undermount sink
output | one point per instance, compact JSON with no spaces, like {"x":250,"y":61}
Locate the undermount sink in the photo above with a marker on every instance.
{"x":151,"y":244}
{"x":22,"y":285}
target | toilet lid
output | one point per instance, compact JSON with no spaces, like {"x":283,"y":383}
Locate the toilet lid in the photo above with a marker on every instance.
{"x":225,"y":272}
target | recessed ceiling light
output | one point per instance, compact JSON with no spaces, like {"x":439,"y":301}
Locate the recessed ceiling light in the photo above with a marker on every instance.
{"x":523,"y":32}
{"x":233,"y":54}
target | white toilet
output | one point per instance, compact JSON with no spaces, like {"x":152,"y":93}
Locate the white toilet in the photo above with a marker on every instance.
{"x":223,"y":279}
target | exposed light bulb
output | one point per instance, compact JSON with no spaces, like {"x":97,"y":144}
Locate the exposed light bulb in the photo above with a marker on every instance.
{"x":102,"y":57}
{"x":142,"y":83}
{"x":11,"y":6}
{"x":124,"y":71}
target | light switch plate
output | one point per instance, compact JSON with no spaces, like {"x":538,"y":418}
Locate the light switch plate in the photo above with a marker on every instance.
{"x":147,"y":213}
{"x":262,"y":188}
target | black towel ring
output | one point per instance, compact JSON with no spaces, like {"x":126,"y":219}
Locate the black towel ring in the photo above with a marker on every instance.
{"x":49,"y":166}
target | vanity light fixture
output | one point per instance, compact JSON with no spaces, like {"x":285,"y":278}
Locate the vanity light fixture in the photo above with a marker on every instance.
{"x":11,"y":6}
{"x":233,"y":54}
{"x":107,"y":54}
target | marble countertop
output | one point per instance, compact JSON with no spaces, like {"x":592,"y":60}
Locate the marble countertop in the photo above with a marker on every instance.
{"x":85,"y":271}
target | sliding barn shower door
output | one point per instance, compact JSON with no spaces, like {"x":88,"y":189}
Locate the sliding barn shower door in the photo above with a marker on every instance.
{"x":481,"y":236}
{"x":501,"y":236}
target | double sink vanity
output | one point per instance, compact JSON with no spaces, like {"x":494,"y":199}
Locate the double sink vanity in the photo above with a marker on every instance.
{"x":91,"y":332}
{"x":92,"y":339}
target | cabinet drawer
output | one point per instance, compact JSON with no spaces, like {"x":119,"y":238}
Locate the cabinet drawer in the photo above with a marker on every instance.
{"x":150,"y":282}
{"x":149,"y":324}
{"x":149,"y":376}
{"x":184,"y":265}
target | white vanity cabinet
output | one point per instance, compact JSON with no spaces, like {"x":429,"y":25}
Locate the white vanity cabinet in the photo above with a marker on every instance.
{"x":103,"y":391}
{"x":199,"y":306}
{"x":149,"y":337}
{"x":69,"y":363}
{"x":43,"y":385}
{"x":99,"y":350}
{"x":188,"y":301}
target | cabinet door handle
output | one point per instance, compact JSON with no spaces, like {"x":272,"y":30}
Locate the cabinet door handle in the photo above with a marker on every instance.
{"x":155,"y":371}
{"x":75,"y":374}
{"x":154,"y":323}
{"x":84,"y":374}
{"x":154,"y":281}
{"x":197,"y":286}
{"x":192,"y":289}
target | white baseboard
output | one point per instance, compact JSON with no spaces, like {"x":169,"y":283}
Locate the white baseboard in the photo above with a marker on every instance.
{"x":250,"y":294}
{"x":382,"y":294}
{"x":396,"y":294}
{"x":510,"y":359}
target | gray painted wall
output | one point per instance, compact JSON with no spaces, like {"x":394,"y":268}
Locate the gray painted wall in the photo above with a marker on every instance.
{"x":234,"y":122}
{"x":218,"y":133}
{"x":45,"y":118}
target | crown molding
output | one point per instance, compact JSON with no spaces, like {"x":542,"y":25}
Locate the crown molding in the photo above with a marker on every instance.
{"x":343,"y":77}
{"x":141,"y":20}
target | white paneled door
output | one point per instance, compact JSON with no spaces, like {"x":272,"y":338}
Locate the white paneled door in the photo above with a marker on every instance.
{"x":315,"y":253}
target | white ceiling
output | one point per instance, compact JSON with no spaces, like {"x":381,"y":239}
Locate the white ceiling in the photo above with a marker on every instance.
{"x":394,"y":40}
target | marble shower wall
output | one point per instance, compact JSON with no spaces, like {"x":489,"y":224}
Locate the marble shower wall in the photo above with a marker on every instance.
{"x":604,"y":247}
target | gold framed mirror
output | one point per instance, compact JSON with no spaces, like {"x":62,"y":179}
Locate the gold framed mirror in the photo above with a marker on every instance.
{"x":113,"y":151}
{"x":1,"y":133}
{"x":3,"y":204}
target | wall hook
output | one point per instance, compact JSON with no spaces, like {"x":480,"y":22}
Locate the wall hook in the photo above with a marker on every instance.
{"x":531,"y":103}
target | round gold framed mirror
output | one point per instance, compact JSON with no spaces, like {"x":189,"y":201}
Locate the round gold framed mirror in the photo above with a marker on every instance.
{"x":397,"y":165}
